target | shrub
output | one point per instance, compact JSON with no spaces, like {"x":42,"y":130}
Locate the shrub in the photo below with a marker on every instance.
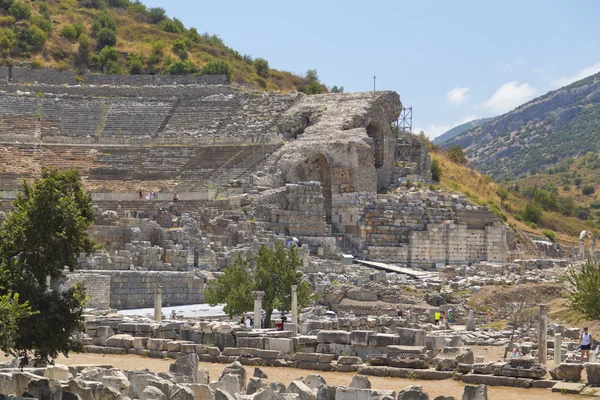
{"x":37,"y":63}
{"x":217,"y":68}
{"x":32,"y":38}
{"x":584,"y":296}
{"x":549,"y":234}
{"x":566,"y":206}
{"x":337,"y":89}
{"x":314,"y":87}
{"x":262,"y":67}
{"x":107,"y":55}
{"x":582,"y":213}
{"x":69,"y":32}
{"x":170,"y":26}
{"x":20,"y":11}
{"x":5,"y":4}
{"x":577,"y":181}
{"x":113,"y":68}
{"x":118,"y":3}
{"x":84,"y":42}
{"x":62,"y":66}
{"x":312,"y":75}
{"x":587,"y":190}
{"x":532,"y":213}
{"x":181,"y":68}
{"x":43,"y":23}
{"x":135,"y":65}
{"x":104,"y":20}
{"x":7,"y":41}
{"x":157,"y":15}
{"x":595,"y":205}
{"x":179,"y":45}
{"x":79,"y":28}
{"x":436,"y":170}
{"x":457,"y":155}
{"x":193,"y":35}
{"x":106,"y":38}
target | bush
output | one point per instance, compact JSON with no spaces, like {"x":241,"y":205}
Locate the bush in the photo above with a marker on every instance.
{"x":584,"y":296}
{"x":181,"y":68}
{"x":217,"y":68}
{"x":587,"y":190}
{"x":156,"y":15}
{"x":43,"y":23}
{"x":170,"y":26}
{"x":62,"y":66}
{"x":577,"y":181}
{"x":32,"y":38}
{"x":118,"y":3}
{"x":262,"y":67}
{"x":84,"y":42}
{"x":532,"y":213}
{"x":135,"y":65}
{"x":20,"y":11}
{"x":436,"y":170}
{"x":37,"y":63}
{"x":595,"y":205}
{"x":69,"y":32}
{"x":314,"y":87}
{"x":179,"y":45}
{"x":312,"y":75}
{"x":7,"y":41}
{"x":549,"y":234}
{"x":106,"y":38}
{"x":5,"y":4}
{"x":107,"y":55}
{"x":79,"y":28}
{"x":104,"y":20}
{"x":566,"y":206}
{"x":457,"y":155}
{"x":113,"y":68}
{"x":336,"y":89}
{"x":582,"y":213}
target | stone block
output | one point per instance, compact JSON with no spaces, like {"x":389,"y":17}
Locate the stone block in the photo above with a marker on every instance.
{"x":57,"y":372}
{"x":384,"y":340}
{"x":285,"y":346}
{"x":140,"y":343}
{"x":360,"y":337}
{"x":328,"y":336}
{"x":122,"y":340}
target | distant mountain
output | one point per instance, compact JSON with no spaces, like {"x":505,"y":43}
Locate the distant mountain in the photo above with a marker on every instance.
{"x":560,"y":124}
{"x":457,"y":130}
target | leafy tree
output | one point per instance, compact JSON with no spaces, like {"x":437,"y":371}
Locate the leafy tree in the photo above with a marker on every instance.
{"x":336,"y":89}
{"x":181,"y":68}
{"x":312,"y":75}
{"x":107,"y":55}
{"x":5,"y":4}
{"x":587,"y":190}
{"x":12,"y":312}
{"x":547,"y":200}
{"x":32,"y":38}
{"x":532,"y":213}
{"x":104,"y":20}
{"x":193,"y":35}
{"x":20,"y":11}
{"x":503,"y":195}
{"x":157,"y":15}
{"x":436,"y":170}
{"x":171,"y":26}
{"x":549,"y":234}
{"x":457,"y":155}
{"x":106,"y":38}
{"x":314,"y":87}
{"x":43,"y":235}
{"x":7,"y":41}
{"x":584,"y":296}
{"x":69,"y":32}
{"x":276,"y":272}
{"x":217,"y":68}
{"x":43,"y":23}
{"x":118,"y":3}
{"x":262,"y":67}
{"x":238,"y":301}
{"x":582,"y":213}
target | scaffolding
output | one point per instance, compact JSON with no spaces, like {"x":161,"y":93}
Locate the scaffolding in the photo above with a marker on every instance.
{"x":402,"y":128}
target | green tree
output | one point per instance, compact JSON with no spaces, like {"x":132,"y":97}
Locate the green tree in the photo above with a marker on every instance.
{"x":106,"y":38}
{"x":336,"y":89}
{"x":457,"y":155}
{"x":503,"y":195}
{"x":436,"y":170}
{"x":43,"y":23}
{"x":157,"y":15}
{"x":69,"y":32}
{"x":135,"y":64}
{"x":312,"y":75}
{"x":217,"y":68}
{"x":587,"y":190}
{"x":276,"y":272}
{"x":546,"y":199}
{"x":20,"y":11}
{"x":43,"y":235}
{"x":314,"y":87}
{"x":5,"y":4}
{"x":262,"y":67}
{"x":12,"y":312}
{"x":107,"y":55}
{"x":239,"y":300}
{"x":532,"y":213}
{"x":584,"y":296}
{"x":104,"y":20}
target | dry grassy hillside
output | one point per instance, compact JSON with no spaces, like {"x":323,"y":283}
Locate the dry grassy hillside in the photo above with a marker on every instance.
{"x":75,"y":35}
{"x":482,"y":190}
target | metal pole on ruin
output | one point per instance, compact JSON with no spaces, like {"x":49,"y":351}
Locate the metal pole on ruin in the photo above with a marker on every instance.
{"x":158,"y":303}
{"x":374,"y":79}
{"x":543,"y":334}
{"x":258,"y":309}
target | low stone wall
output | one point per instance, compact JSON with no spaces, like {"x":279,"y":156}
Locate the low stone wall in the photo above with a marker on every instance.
{"x":135,"y":289}
{"x":49,"y":76}
{"x":96,"y":285}
{"x":155,"y":80}
{"x":4,"y":74}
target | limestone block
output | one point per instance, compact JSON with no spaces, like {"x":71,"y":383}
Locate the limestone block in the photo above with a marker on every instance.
{"x":157,"y":344}
{"x":186,"y":365}
{"x":121,"y":340}
{"x":102,"y":334}
{"x":302,"y":390}
{"x":58,"y":372}
{"x":567,"y":372}
{"x":313,"y":381}
{"x":360,"y":382}
{"x":593,"y":373}
{"x":119,"y":382}
{"x":182,"y":393}
{"x":140,"y":343}
{"x":152,"y":393}
{"x":285,"y":346}
{"x":475,"y":393}
{"x":413,"y":393}
{"x":329,"y":336}
{"x":360,"y":337}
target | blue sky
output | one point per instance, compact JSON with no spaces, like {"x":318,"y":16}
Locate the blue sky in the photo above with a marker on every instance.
{"x":452,"y":61}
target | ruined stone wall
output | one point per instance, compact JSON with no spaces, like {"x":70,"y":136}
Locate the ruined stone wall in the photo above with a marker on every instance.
{"x":98,"y":287}
{"x":48,"y":76}
{"x":4,"y":73}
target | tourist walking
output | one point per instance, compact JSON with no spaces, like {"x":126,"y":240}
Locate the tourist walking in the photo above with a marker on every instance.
{"x":437,"y":317}
{"x":450,"y":315}
{"x":586,"y":344}
{"x":175,"y":198}
{"x":399,"y":313}
{"x":140,"y":195}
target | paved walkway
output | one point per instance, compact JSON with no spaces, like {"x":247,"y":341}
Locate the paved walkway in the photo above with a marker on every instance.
{"x":414,"y":273}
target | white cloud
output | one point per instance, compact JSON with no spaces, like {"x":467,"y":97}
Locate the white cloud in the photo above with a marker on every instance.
{"x":434,"y":130}
{"x":458,"y":96}
{"x":583,"y":73}
{"x":509,"y":96}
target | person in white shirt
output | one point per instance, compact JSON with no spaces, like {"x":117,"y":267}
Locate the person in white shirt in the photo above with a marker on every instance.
{"x":586,"y":344}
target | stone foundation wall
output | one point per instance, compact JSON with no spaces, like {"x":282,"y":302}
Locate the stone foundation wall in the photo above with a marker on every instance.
{"x":48,"y":76}
{"x":4,"y":74}
{"x":155,"y":80}
{"x":97,"y":287}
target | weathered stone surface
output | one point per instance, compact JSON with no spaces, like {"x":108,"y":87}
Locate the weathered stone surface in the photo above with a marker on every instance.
{"x":313,"y":381}
{"x":413,"y":393}
{"x":152,"y":393}
{"x":256,"y":384}
{"x":202,"y":391}
{"x":186,"y":365}
{"x":340,"y":337}
{"x":475,"y":393}
{"x":593,"y":373}
{"x":121,"y":340}
{"x":182,"y":393}
{"x":236,"y":368}
{"x":360,"y":382}
{"x":567,"y":372}
{"x":57,"y":372}
{"x":303,"y":391}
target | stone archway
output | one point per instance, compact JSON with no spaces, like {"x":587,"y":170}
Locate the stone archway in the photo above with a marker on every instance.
{"x":376,"y":133}
{"x":582,"y":236}
{"x":317,"y":168}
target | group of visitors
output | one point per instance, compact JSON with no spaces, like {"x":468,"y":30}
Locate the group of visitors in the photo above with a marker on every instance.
{"x":444,"y":317}
{"x":248,"y":322}
{"x":152,"y":195}
{"x":401,"y":314}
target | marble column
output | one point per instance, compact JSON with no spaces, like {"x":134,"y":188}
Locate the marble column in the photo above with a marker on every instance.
{"x":471,"y":321}
{"x":557,"y":348}
{"x":543,"y":334}
{"x":158,"y":303}
{"x":258,"y":296}
{"x":295,"y":309}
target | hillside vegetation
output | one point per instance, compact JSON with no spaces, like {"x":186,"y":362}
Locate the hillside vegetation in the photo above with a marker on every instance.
{"x":126,"y":37}
{"x":539,"y":134}
{"x":457,"y":130}
{"x":535,"y":209}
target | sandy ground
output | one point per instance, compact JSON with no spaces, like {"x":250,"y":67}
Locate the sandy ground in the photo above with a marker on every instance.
{"x":286,"y":375}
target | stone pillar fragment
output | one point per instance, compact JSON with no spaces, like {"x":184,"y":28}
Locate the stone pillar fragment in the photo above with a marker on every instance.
{"x":543,"y":334}
{"x":295,"y":309}
{"x":158,"y":303}
{"x":557,"y":348}
{"x":258,"y":296}
{"x":471,"y":321}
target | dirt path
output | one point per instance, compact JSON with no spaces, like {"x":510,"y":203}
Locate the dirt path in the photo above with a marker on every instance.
{"x":286,"y":375}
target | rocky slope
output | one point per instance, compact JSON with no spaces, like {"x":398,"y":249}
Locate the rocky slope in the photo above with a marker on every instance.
{"x":457,"y":130}
{"x":560,"y":124}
